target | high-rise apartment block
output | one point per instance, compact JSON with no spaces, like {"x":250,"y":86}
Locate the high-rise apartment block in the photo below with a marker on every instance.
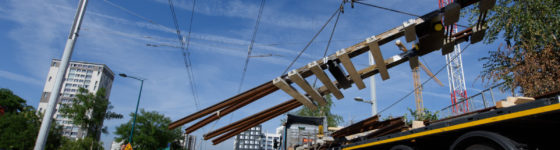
{"x":249,"y":140}
{"x":90,"y":76}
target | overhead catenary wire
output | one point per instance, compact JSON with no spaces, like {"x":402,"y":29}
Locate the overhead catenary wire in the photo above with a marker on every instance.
{"x":409,"y":93}
{"x":250,"y":49}
{"x":184,"y":50}
{"x":188,"y":54}
{"x":311,"y":41}
{"x":132,"y":13}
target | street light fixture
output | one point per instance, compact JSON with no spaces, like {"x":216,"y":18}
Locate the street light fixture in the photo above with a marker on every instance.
{"x":137,"y":103}
{"x":373,"y":110}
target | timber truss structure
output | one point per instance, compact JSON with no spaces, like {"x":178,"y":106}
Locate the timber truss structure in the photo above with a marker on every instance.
{"x":428,"y":33}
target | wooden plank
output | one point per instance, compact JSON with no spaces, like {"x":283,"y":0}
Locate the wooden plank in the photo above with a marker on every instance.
{"x":378,"y":57}
{"x":301,"y":82}
{"x":349,"y":66}
{"x":282,"y":84}
{"x":316,"y":69}
{"x":520,"y":99}
{"x":503,"y":104}
{"x":417,"y":124}
{"x":410,"y":30}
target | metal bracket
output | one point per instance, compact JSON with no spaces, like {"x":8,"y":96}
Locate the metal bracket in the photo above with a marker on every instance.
{"x":338,"y":74}
{"x":478,"y":33}
{"x":451,"y":14}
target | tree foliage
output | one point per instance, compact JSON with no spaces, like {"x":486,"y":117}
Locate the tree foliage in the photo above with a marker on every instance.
{"x":332,"y":119}
{"x":11,"y":102}
{"x":427,"y":115}
{"x":150,"y":131}
{"x":20,"y":125}
{"x":530,"y":57}
{"x":84,"y":144}
{"x":89,"y":111}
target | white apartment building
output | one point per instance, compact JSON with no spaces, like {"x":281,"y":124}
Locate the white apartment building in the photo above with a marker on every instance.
{"x":249,"y":140}
{"x":268,"y":141}
{"x":90,"y":76}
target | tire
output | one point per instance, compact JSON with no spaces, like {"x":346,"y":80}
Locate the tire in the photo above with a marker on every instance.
{"x":483,"y":140}
{"x":401,"y":147}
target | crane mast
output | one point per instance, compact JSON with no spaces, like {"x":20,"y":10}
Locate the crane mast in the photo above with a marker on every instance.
{"x":455,"y":74}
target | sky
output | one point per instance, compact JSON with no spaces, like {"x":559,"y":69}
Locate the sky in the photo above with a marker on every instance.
{"x":34,"y":32}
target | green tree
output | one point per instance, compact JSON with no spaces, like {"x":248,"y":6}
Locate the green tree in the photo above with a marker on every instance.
{"x":150,"y":131}
{"x":325,"y":110}
{"x":83,"y":144}
{"x":11,"y":102}
{"x":530,"y":58}
{"x":89,"y":111}
{"x":20,"y":124}
{"x":427,"y":115}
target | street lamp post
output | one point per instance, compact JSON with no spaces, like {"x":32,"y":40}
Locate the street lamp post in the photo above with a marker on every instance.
{"x":373,"y":111}
{"x":137,"y":103}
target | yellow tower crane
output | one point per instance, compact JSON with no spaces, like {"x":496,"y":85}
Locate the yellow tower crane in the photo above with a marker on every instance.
{"x":416,"y":77}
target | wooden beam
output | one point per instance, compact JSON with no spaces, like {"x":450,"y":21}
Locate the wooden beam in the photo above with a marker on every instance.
{"x":378,"y":57}
{"x":316,"y":69}
{"x":282,"y":84}
{"x":349,"y":66}
{"x":301,"y":82}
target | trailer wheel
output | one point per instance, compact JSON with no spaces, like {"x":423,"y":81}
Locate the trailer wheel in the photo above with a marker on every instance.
{"x":483,"y":140}
{"x":401,"y":147}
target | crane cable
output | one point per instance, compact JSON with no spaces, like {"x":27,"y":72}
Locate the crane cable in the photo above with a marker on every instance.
{"x":329,"y":42}
{"x":312,"y":39}
{"x":396,"y":11}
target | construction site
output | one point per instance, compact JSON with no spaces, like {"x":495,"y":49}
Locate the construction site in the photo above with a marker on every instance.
{"x":470,"y":122}
{"x":384,"y":87}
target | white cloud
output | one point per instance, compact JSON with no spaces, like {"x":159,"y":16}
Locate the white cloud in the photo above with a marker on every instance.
{"x":20,"y":78}
{"x":239,"y":9}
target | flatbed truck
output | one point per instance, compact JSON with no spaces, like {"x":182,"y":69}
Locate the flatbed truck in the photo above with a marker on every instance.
{"x":533,"y":125}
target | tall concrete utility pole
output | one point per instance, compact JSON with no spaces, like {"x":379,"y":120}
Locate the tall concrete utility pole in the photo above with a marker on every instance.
{"x":372,"y":88}
{"x":67,"y":54}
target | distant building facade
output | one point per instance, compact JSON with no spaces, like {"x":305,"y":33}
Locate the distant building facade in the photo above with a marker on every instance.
{"x":189,"y":143}
{"x":90,"y":76}
{"x":268,"y":141}
{"x":249,"y":140}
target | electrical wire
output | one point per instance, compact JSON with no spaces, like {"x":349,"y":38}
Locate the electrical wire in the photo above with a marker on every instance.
{"x":184,"y":51}
{"x":188,"y":58}
{"x":250,"y":49}
{"x":441,"y":69}
{"x":312,"y":39}
{"x":132,"y":13}
{"x":397,"y":11}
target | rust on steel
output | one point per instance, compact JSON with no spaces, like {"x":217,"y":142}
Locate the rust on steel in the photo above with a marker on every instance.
{"x":248,"y":119}
{"x":358,"y":127}
{"x":365,"y":73}
{"x":244,"y":128}
{"x":228,"y":110}
{"x":221,"y":105}
{"x":388,"y":127}
{"x":354,"y":50}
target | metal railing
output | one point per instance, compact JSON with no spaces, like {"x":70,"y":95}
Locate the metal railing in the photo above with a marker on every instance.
{"x":482,"y":100}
